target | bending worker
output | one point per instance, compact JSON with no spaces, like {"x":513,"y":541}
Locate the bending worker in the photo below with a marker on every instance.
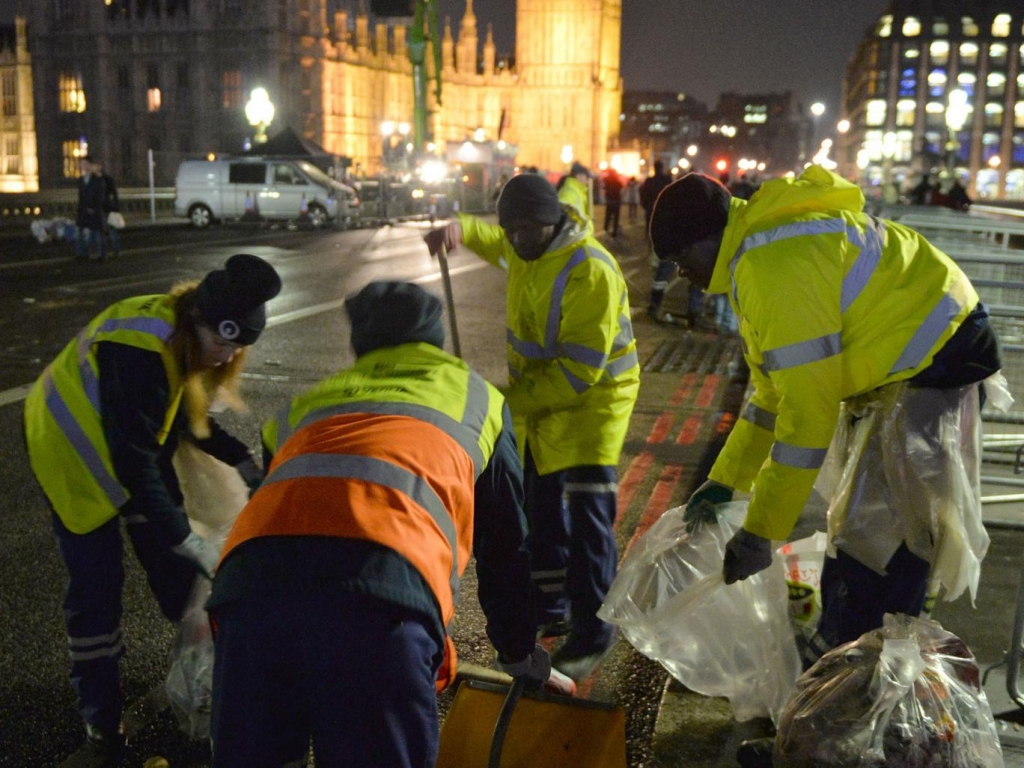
{"x":340,"y":577}
{"x":102,"y":424}
{"x":841,"y":313}
{"x":573,"y":380}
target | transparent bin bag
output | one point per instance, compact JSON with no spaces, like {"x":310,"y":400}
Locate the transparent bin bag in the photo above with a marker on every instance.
{"x":672,"y":605}
{"x":907,"y":695}
{"x":214,"y":492}
{"x":904,"y":466}
{"x":189,"y":683}
{"x":803,"y":561}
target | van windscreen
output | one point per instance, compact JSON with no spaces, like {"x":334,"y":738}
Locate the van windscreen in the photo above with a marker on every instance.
{"x":247,"y":173}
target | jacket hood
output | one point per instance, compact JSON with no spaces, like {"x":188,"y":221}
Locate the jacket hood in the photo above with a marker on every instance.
{"x":816,"y":190}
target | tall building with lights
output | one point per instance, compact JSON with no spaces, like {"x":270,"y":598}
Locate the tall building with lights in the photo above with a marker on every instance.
{"x":118,"y":78}
{"x":18,"y":171}
{"x":897,"y":96}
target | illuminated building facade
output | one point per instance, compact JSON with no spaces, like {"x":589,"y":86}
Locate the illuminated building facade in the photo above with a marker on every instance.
{"x":18,"y":170}
{"x":897,"y":96}
{"x":118,"y":78}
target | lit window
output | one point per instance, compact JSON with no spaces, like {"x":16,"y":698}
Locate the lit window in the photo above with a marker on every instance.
{"x":873,"y":144}
{"x":1001,"y":25}
{"x":72,"y":153}
{"x":939,"y":52}
{"x":12,"y":155}
{"x":968,"y":53}
{"x":904,"y":146}
{"x":232,"y":91}
{"x":993,"y":114}
{"x":995,"y":84}
{"x":153,"y":99}
{"x":911,"y":26}
{"x":10,"y":94}
{"x":969,"y":26}
{"x":905,"y":110}
{"x":875,"y":112}
{"x":1018,"y":114}
{"x":884,"y":26}
{"x":935,"y":108}
{"x":72,"y":96}
{"x":940,"y":28}
{"x":1020,"y":86}
{"x":911,"y":53}
{"x":997,"y":55}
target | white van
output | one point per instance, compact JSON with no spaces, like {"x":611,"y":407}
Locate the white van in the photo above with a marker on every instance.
{"x":208,"y":190}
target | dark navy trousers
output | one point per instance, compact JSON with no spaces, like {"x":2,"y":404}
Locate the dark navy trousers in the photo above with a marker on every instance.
{"x":351,"y":673}
{"x":571,"y":515}
{"x":92,"y":604}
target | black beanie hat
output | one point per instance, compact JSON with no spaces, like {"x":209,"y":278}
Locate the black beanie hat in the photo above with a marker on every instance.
{"x":387,"y":313}
{"x":687,"y":211}
{"x":232,"y":300}
{"x":529,"y":196}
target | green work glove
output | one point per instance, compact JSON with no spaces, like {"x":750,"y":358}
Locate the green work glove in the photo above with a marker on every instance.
{"x":746,"y":554}
{"x":700,"y":509}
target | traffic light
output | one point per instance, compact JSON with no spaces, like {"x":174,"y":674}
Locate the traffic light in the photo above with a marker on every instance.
{"x":381,"y":8}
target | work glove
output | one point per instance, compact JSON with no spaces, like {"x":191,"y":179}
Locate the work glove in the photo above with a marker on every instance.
{"x":450,"y":236}
{"x":746,"y":554}
{"x":199,"y":551}
{"x":537,"y":669}
{"x":700,"y":508}
{"x":251,"y":474}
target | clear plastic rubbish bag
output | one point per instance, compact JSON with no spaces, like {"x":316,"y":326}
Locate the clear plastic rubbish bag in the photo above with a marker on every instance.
{"x":804,"y":561}
{"x":907,"y":695}
{"x":671,"y":603}
{"x":189,"y":681}
{"x":214,"y":492}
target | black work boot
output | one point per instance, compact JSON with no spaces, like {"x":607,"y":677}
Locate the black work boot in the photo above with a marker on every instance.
{"x":102,"y":749}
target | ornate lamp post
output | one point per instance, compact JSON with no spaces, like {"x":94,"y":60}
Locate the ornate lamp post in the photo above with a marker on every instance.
{"x":259,"y":111}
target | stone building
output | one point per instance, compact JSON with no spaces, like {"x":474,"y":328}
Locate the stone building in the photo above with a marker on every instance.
{"x":897,"y":91}
{"x":123,"y":77}
{"x":18,"y":170}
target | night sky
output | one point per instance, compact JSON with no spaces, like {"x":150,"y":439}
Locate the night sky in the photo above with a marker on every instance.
{"x":706,"y":48}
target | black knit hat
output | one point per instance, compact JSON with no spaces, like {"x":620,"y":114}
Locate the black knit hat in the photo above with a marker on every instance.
{"x":232,"y":300}
{"x":388,"y":313}
{"x":529,"y":196}
{"x":687,"y":211}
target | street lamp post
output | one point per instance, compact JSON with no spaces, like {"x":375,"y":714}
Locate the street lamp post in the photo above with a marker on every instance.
{"x":817,"y":110}
{"x":259,"y":111}
{"x":956,"y":116}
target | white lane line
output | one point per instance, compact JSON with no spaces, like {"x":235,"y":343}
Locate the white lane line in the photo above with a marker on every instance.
{"x":17,"y":394}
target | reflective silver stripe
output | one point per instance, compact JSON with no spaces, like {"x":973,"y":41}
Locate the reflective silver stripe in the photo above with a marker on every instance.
{"x":625,"y":335}
{"x":795,"y":456}
{"x":557,"y":574}
{"x":80,"y":442}
{"x":786,"y":231}
{"x":585,"y":355}
{"x":622,"y":364}
{"x":529,"y":349}
{"x":514,"y":374}
{"x":866,"y":262}
{"x":927,"y":334}
{"x":90,"y":384}
{"x":759,"y":416}
{"x":154,"y":326}
{"x":99,"y":653}
{"x":284,"y":426}
{"x":578,"y":385}
{"x":137,"y":519}
{"x":477,"y":401}
{"x":96,"y":647}
{"x":111,"y":637}
{"x":560,"y":587}
{"x":380,"y":472}
{"x":557,"y":294}
{"x":467,"y":439}
{"x":803,"y":352}
{"x":591,"y":487}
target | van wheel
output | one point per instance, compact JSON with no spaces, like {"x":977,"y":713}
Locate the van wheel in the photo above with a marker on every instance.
{"x":200,"y":216}
{"x":317,"y":216}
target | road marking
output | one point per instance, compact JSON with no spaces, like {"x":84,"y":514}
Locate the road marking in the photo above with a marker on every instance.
{"x":17,"y":394}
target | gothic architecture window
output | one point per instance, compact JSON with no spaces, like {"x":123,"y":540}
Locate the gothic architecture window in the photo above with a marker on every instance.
{"x":10,"y":94}
{"x":72,"y":95}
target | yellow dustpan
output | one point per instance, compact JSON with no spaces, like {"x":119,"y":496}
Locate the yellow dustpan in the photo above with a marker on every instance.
{"x":545,"y":731}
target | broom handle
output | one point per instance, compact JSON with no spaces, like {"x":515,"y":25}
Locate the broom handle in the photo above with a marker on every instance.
{"x":504,"y":718}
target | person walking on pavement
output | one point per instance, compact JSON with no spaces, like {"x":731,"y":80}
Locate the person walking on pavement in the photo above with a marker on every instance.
{"x":837,"y":308}
{"x":612,"y":201}
{"x":665,"y":270}
{"x":574,"y":378}
{"x":102,"y":424}
{"x":111,"y":204}
{"x":91,"y":220}
{"x":339,"y":579}
{"x":631,"y":198}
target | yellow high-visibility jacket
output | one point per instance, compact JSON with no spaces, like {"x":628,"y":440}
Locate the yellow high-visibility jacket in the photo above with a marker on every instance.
{"x":573,"y":368}
{"x":832,"y":303}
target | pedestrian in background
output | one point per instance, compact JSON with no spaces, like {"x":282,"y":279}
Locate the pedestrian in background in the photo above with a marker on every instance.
{"x":339,"y":578}
{"x":631,"y":197}
{"x":664,"y":271}
{"x":111,"y":204}
{"x":102,"y":424}
{"x":573,"y":381}
{"x":612,"y":184}
{"x":91,"y":220}
{"x":836,"y":308}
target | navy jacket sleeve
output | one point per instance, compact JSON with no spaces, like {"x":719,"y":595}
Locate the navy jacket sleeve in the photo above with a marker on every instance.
{"x":133,"y":401}
{"x":499,"y":545}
